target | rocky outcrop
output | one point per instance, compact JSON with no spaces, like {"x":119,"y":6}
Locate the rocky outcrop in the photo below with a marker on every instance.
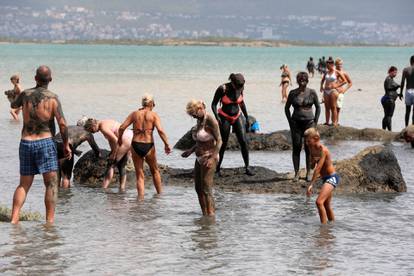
{"x":374,"y":169}
{"x":281,"y":140}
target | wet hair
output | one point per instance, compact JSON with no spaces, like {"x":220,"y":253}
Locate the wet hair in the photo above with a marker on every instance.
{"x":237,"y":79}
{"x":392,"y":69}
{"x":90,"y":122}
{"x":312,"y":133}
{"x":311,"y":58}
{"x":283,"y":66}
{"x":81,"y":122}
{"x":147,"y":99}
{"x":338,"y":61}
{"x":15,"y":77}
{"x":193,"y":106}
{"x":412,"y":59}
{"x":43,"y":74}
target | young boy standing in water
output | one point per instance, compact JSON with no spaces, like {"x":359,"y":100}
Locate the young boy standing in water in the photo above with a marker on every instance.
{"x":324,"y":168}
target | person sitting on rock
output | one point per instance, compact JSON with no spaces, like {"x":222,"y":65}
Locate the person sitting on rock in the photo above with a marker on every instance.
{"x":324,"y":168}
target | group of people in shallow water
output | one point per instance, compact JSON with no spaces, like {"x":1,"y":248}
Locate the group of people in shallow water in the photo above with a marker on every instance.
{"x":334,"y":84}
{"x":42,"y":151}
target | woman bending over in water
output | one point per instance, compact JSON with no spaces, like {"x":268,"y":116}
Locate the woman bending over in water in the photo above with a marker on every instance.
{"x":119,"y":148}
{"x":144,"y":120}
{"x":331,"y":80}
{"x":285,"y":81}
{"x":208,"y":142}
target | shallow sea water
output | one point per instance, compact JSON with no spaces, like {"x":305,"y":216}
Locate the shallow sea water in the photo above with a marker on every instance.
{"x":111,"y":233}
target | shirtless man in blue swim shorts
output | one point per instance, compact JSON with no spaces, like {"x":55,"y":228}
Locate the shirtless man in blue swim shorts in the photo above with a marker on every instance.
{"x":324,"y":168}
{"x":37,"y":151}
{"x":408,"y":75}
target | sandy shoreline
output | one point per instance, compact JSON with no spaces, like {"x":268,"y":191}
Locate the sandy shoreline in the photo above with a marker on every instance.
{"x":213,"y":42}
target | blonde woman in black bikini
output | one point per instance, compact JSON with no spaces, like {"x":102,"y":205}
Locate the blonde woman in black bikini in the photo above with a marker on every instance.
{"x":208,"y":143}
{"x":144,"y":121}
{"x":285,"y":81}
{"x":331,"y":81}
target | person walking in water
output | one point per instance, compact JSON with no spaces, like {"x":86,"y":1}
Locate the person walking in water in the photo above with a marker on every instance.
{"x":230,"y":95}
{"x":119,"y":154}
{"x":208,"y":142}
{"x":342,"y":89}
{"x":302,"y":99}
{"x":321,"y":159}
{"x":310,"y":66}
{"x":331,"y":80}
{"x":408,"y":76}
{"x":388,"y":100}
{"x":37,"y":150}
{"x":144,"y":121}
{"x":285,"y":80}
{"x":13,"y":94}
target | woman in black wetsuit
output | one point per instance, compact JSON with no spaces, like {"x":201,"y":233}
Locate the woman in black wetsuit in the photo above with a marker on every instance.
{"x":302,"y":99}
{"x":229,"y":115}
{"x":388,"y":100}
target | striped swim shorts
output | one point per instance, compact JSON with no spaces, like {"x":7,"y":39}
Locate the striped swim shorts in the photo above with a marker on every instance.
{"x":38,"y":156}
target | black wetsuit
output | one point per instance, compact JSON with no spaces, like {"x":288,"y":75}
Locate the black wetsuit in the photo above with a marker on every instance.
{"x":76,"y":135}
{"x":301,"y":119}
{"x":388,"y":101}
{"x":231,"y":108}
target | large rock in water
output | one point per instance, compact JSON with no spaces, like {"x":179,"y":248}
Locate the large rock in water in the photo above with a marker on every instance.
{"x":374,"y":169}
{"x":281,"y":140}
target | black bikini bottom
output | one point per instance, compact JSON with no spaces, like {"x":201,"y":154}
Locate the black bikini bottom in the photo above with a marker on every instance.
{"x":142,"y":149}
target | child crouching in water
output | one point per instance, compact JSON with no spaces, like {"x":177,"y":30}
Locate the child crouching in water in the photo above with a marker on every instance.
{"x":324,"y":168}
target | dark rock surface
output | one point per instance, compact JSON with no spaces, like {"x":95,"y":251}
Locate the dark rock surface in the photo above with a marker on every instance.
{"x":374,"y":169}
{"x":281,"y":140}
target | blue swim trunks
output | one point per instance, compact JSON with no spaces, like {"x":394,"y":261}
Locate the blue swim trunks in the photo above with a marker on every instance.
{"x":37,"y":157}
{"x":332,"y":179}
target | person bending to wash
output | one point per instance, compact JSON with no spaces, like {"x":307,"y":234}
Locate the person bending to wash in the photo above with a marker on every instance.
{"x":144,"y":121}
{"x":302,"y":99}
{"x":229,"y":115}
{"x":119,"y":154}
{"x":77,"y":135}
{"x":388,"y":100}
{"x":408,"y":75}
{"x":208,"y":142}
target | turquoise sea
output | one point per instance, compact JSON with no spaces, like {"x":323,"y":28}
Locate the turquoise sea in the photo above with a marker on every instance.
{"x":107,"y":233}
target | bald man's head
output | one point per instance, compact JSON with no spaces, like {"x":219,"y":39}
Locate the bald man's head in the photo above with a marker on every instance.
{"x":43,"y":75}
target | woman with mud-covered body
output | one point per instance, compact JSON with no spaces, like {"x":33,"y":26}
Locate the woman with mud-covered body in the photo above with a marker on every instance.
{"x":331,"y":80}
{"x":119,"y":154}
{"x":12,"y":95}
{"x":208,"y":143}
{"x":302,"y":99}
{"x":229,"y":116}
{"x":144,"y":122}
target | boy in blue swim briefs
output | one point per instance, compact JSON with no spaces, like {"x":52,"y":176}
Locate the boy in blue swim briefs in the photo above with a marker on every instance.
{"x":323,"y":167}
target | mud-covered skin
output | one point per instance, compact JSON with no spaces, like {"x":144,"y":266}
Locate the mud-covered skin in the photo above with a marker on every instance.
{"x":36,"y":102}
{"x":76,"y":136}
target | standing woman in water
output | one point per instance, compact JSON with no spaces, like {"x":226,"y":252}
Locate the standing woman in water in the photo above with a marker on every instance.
{"x":302,"y":99}
{"x":388,"y":100}
{"x":119,"y":154}
{"x":14,"y":93}
{"x":208,"y":142}
{"x":331,"y":80}
{"x":144,"y":121}
{"x":230,"y":95}
{"x":285,"y":81}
